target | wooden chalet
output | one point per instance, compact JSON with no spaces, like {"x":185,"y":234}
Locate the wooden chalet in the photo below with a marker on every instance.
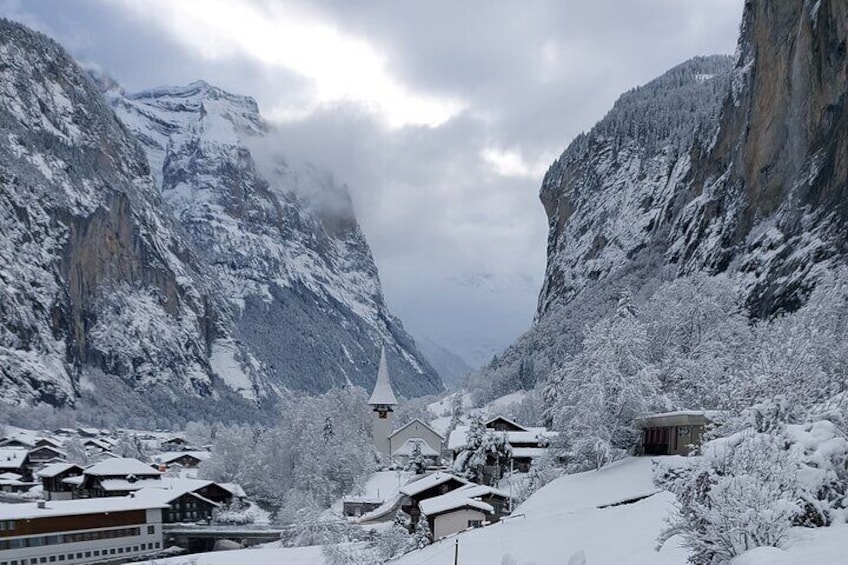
{"x":53,"y":480}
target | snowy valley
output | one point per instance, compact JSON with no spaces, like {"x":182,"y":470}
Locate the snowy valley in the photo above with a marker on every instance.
{"x":198,"y":365}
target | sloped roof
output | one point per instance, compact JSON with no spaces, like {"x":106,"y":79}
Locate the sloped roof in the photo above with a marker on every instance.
{"x":518,"y":427}
{"x":121,"y":467}
{"x":408,"y":446}
{"x":169,"y":456}
{"x":30,"y":510}
{"x":168,"y":495}
{"x":125,"y":485}
{"x":12,"y":458}
{"x":383,"y":393}
{"x":416,"y":421}
{"x":459,"y":436}
{"x":463,"y":497}
{"x":56,"y":469}
{"x":429,"y":482}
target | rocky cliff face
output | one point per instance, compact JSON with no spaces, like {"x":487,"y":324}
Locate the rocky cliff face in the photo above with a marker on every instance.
{"x":210,"y":274}
{"x":281,"y":238}
{"x":82,"y":227}
{"x":708,"y":168}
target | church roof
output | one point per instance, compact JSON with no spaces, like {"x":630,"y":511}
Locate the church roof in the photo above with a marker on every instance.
{"x":383,"y":394}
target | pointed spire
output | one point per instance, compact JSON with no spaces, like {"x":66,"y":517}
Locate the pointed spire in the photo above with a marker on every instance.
{"x":383,"y":394}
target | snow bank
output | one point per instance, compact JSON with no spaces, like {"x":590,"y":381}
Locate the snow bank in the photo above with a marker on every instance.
{"x":821,"y":546}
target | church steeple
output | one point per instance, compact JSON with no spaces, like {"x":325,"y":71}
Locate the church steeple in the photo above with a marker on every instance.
{"x":383,"y":395}
{"x":382,"y":400}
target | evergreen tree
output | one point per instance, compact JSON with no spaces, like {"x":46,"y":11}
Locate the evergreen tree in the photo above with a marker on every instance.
{"x":423,"y":535}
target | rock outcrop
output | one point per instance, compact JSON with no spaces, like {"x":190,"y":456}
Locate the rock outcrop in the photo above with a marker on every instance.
{"x":172,"y":263}
{"x":706,"y":169}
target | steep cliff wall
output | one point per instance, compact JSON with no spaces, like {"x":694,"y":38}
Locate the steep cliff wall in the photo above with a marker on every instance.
{"x":709,"y":169}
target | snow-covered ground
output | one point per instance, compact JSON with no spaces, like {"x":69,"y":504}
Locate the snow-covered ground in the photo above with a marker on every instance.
{"x":820,"y":546}
{"x":563,"y":519}
{"x":266,"y":555}
{"x":573,"y":517}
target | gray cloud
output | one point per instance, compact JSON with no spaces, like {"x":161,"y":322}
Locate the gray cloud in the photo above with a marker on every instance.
{"x":460,"y":247}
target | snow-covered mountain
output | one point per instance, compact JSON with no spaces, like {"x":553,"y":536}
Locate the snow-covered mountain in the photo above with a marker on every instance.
{"x":92,"y":273}
{"x":194,"y":264}
{"x":281,"y":238}
{"x":716,"y":166}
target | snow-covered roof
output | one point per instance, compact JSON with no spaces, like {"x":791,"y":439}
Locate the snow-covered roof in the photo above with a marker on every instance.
{"x":124,"y":485}
{"x":527,"y":452}
{"x":30,"y":510}
{"x":170,"y":456}
{"x":23,"y":442}
{"x":463,"y":497}
{"x":75,"y":481}
{"x":97,"y":442}
{"x":507,"y":420}
{"x":10,"y":477}
{"x":416,"y":421}
{"x":408,"y":446}
{"x":12,"y":458}
{"x":234,"y":489}
{"x":429,"y":482}
{"x":458,"y":437}
{"x":166,"y":496}
{"x":383,"y":393}
{"x":121,"y":467}
{"x":50,"y":448}
{"x":678,"y":418}
{"x":56,"y":469}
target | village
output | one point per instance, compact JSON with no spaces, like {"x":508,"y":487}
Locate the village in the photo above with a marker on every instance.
{"x":435,"y":483}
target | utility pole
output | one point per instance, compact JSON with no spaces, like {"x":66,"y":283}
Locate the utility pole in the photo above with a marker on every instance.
{"x":456,"y":553}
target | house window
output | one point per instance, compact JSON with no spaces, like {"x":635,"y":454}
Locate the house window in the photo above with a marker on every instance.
{"x":151,"y":529}
{"x":382,"y":414}
{"x":475,"y":523}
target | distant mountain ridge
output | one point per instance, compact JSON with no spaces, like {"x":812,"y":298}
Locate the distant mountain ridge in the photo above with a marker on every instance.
{"x":170,"y":256}
{"x":716,"y":166}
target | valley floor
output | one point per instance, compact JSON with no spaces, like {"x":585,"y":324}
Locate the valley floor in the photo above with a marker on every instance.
{"x":607,"y":517}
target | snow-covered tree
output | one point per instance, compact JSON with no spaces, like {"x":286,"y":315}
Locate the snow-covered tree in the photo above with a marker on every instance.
{"x":76,"y":451}
{"x":423,"y":536}
{"x":742,"y":494}
{"x":417,"y":463}
{"x":482,"y":447}
{"x":596,"y":397}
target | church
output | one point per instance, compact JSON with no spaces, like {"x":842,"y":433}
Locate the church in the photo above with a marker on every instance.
{"x":398,"y":444}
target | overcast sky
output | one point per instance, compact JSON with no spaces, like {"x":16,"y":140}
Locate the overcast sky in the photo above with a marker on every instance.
{"x":440,"y":115}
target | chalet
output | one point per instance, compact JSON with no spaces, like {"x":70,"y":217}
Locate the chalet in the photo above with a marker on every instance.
{"x":97,"y":445}
{"x":53,"y":482}
{"x":415,"y":430}
{"x":183,"y":505}
{"x":49,"y":442}
{"x":186,"y":459}
{"x":469,"y":506}
{"x":673,"y":433}
{"x":80,"y":531}
{"x":221,"y":494}
{"x":526,"y":443}
{"x":17,"y":442}
{"x":15,"y":460}
{"x":46,"y":454}
{"x":173,"y":443}
{"x":435,"y":484}
{"x":13,"y":482}
{"x":117,"y":477}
